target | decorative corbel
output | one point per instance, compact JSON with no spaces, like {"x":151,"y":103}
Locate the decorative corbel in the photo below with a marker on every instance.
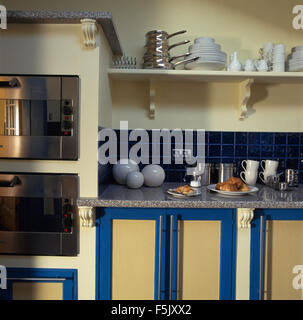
{"x":89,"y":30}
{"x":244,"y":96}
{"x":87,"y":216}
{"x":245,"y":216}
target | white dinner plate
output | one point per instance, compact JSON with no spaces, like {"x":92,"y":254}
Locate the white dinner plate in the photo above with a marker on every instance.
{"x":174,"y":193}
{"x":212,"y":187}
{"x":205,"y":65}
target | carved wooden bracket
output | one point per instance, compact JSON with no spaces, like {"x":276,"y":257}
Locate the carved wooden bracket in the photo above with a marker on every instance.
{"x":87,"y":216}
{"x":89,"y":31}
{"x":245,"y":216}
{"x":244,"y":95}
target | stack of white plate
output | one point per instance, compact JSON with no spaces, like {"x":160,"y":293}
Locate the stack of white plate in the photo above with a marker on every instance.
{"x":279,"y":58}
{"x":210,"y":55}
{"x":295,"y":59}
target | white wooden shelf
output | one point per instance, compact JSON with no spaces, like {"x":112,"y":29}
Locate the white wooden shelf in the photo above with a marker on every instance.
{"x":245,"y":80}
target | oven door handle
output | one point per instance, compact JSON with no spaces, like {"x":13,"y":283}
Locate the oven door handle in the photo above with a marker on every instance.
{"x":11,"y":183}
{"x":13,"y":83}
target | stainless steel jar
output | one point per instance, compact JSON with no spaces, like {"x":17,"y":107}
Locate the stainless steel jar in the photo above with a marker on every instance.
{"x":225,"y":171}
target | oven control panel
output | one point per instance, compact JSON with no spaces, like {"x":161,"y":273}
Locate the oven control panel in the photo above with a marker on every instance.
{"x":67,"y":117}
{"x":67,"y":215}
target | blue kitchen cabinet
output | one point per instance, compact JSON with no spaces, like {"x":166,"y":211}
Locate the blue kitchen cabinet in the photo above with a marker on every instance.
{"x":276,"y":269}
{"x":146,"y":253}
{"x":40,"y":284}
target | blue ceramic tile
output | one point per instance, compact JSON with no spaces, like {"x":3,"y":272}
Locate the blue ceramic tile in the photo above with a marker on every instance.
{"x":280,"y":151}
{"x":241,"y":151}
{"x":214,"y":150}
{"x":267,"y":151}
{"x":267,"y":138}
{"x":253,"y":138}
{"x":227,"y":151}
{"x":280,"y":138}
{"x":215,"y":137}
{"x":241,"y":138}
{"x":292,"y":164}
{"x":228,"y":137}
{"x":293,"y":138}
{"x":253,"y":151}
{"x":293,"y":151}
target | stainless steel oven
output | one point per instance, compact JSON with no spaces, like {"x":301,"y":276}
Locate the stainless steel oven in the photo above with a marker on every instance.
{"x":38,"y":214}
{"x":39,"y":117}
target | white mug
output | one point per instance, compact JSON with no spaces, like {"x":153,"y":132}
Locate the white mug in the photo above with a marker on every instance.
{"x":265,"y":174}
{"x":249,"y":177}
{"x":270,"y":166}
{"x":262,"y":65}
{"x":250,"y":165}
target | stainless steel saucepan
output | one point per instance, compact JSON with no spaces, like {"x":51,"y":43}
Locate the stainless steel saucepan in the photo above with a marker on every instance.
{"x":158,"y":47}
{"x":160,"y":35}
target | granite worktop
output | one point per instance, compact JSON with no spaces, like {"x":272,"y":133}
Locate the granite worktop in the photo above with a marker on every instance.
{"x":120,"y":196}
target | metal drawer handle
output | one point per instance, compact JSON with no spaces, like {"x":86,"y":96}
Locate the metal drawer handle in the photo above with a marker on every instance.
{"x":160,"y":262}
{"x":13,"y":83}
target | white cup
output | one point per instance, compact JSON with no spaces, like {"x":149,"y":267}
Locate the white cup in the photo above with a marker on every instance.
{"x":265,"y":175}
{"x":262,"y":65}
{"x":250,"y":165}
{"x":249,"y":177}
{"x":250,"y":65}
{"x":270,"y":166}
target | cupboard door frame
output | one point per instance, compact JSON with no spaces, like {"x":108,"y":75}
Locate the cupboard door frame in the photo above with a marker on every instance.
{"x":227,"y":246}
{"x":68,"y":278}
{"x":104,"y":246}
{"x":258,"y":242}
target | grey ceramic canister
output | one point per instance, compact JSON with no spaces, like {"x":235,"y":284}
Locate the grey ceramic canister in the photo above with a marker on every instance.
{"x":154,"y":175}
{"x":134,"y":180}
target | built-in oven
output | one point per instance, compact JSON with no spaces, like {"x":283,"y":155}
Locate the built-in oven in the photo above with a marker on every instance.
{"x":39,"y":117}
{"x":38,"y":214}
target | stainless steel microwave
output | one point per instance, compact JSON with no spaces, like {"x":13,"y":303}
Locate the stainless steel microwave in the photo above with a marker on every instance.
{"x":38,"y":214}
{"x":39,"y":117}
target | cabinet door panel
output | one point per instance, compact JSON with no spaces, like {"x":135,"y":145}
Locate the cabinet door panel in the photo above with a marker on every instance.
{"x":133,"y":259}
{"x":37,"y":291}
{"x":198,"y":260}
{"x":283,"y":251}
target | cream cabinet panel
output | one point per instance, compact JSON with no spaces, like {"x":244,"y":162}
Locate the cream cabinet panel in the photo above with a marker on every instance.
{"x":37,"y":291}
{"x":283,"y":251}
{"x":198,"y":260}
{"x":133,"y":259}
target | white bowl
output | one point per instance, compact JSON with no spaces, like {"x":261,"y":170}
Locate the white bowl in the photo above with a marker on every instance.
{"x":204,"y":40}
{"x":297,"y":48}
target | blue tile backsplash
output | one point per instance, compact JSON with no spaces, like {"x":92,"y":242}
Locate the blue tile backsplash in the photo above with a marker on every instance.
{"x":233,"y":147}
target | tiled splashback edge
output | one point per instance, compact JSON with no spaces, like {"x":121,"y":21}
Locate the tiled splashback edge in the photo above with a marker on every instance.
{"x":232,"y":147}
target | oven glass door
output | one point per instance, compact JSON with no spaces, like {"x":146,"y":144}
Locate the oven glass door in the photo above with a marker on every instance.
{"x":35,"y":118}
{"x":43,"y":215}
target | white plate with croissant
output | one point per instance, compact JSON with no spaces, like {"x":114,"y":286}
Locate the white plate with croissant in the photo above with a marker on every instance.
{"x":184,"y":191}
{"x":232,"y":187}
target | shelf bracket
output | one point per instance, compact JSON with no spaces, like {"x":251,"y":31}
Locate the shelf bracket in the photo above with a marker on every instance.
{"x":89,"y":31}
{"x":245,"y":216}
{"x":244,"y":96}
{"x":87,"y":216}
{"x":152,"y":94}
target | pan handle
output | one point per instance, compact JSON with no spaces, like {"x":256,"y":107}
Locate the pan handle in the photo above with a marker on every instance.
{"x":13,"y":83}
{"x":180,"y":56}
{"x":11,"y":183}
{"x":178,"y":44}
{"x":176,"y":33}
{"x":184,"y":61}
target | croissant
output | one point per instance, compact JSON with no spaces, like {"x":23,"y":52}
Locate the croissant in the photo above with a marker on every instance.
{"x":232,"y":184}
